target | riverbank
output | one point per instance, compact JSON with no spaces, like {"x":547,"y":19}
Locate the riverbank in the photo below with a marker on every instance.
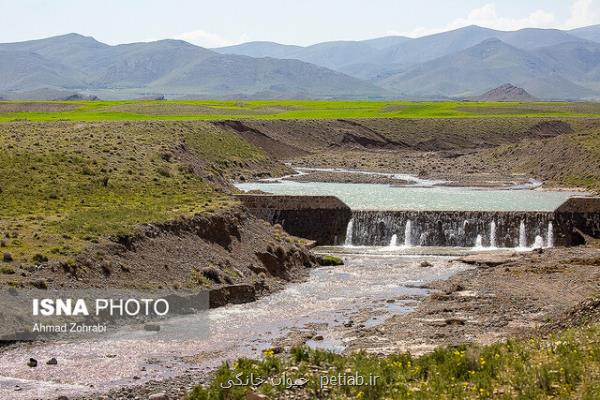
{"x":507,"y":296}
{"x":525,"y":299}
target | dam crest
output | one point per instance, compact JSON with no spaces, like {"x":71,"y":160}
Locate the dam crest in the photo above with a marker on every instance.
{"x":329,"y":221}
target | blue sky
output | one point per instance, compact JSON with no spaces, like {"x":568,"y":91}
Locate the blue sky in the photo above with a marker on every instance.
{"x":225,"y":22}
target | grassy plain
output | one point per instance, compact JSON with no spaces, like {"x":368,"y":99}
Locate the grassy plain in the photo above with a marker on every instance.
{"x":64,"y":184}
{"x":281,"y":109}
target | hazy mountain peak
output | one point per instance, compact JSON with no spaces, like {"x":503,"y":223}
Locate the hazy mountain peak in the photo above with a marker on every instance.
{"x":506,"y":92}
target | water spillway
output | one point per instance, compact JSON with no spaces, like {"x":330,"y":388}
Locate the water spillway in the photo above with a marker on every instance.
{"x":329,"y":221}
{"x":450,"y":228}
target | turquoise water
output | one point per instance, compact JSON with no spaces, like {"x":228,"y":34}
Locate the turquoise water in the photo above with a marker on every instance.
{"x":384,"y":197}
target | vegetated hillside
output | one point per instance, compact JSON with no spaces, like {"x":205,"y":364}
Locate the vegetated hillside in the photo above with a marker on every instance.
{"x":173,"y":67}
{"x":568,"y":160}
{"x":65,"y":185}
{"x":480,"y":68}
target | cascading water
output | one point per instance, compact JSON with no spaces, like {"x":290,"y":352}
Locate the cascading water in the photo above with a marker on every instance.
{"x":408,"y":234}
{"x":550,"y":235}
{"x":394,"y":241}
{"x":479,"y":242}
{"x":499,"y":230}
{"x":539,"y":242}
{"x":349,"y":230}
{"x":522,"y":235}
{"x":493,"y":234}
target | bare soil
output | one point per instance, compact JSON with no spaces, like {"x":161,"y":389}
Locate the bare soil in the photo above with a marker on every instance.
{"x":519,"y":296}
{"x":37,"y":106}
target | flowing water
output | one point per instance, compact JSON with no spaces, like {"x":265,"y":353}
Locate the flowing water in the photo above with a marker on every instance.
{"x":493,"y":243}
{"x":550,"y":235}
{"x":331,"y":296}
{"x":522,"y":235}
{"x":370,"y":278}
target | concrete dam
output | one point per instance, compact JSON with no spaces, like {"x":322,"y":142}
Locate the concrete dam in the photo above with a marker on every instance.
{"x":329,"y":221}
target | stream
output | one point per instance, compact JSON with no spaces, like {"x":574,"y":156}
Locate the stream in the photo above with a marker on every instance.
{"x":374,"y":284}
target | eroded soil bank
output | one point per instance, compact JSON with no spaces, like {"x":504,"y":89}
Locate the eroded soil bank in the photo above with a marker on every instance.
{"x":228,"y":247}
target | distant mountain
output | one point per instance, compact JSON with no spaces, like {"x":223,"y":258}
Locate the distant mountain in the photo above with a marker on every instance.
{"x":463,"y":63}
{"x":428,"y":48}
{"x":332,"y":55}
{"x":173,"y":67}
{"x":589,"y":32}
{"x":386,"y":41}
{"x":24,"y":70}
{"x":260,"y":49}
{"x":506,"y":92}
{"x":376,"y":59}
{"x":477,"y":69}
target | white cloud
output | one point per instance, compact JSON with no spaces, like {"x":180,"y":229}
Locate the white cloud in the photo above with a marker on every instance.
{"x":583,"y":13}
{"x":208,"y":39}
{"x":487,"y":16}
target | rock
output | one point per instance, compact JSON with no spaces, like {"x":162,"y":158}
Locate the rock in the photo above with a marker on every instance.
{"x":32,"y":363}
{"x":7,"y":257}
{"x":318,"y":337}
{"x":455,"y":321}
{"x":256,"y":396}
{"x":234,"y":294}
{"x":40,"y":284}
{"x":52,"y":361}
{"x":158,"y":396}
{"x":152,"y":327}
{"x":426,"y":264}
{"x":491,"y":260}
{"x":63,"y":398}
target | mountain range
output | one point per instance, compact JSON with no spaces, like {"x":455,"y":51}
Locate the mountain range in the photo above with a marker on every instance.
{"x":463,"y":63}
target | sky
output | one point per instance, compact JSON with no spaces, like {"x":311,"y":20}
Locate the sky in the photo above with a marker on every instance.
{"x":302,"y":22}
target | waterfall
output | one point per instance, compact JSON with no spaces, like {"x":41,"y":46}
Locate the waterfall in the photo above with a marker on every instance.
{"x":539,"y":242}
{"x":550,"y":235}
{"x":493,"y":234}
{"x":498,"y":229}
{"x":349,"y":230}
{"x":394,"y":241}
{"x":408,"y":234}
{"x":479,"y":242}
{"x":522,"y":235}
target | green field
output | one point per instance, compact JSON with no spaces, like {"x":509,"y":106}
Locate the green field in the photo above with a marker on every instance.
{"x":64,"y":185}
{"x":280,"y":109}
{"x":563,"y":366}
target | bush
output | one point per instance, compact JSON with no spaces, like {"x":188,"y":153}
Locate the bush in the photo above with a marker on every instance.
{"x":329,"y":261}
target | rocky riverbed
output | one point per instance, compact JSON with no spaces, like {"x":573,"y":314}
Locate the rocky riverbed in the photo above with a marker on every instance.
{"x":410,"y":304}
